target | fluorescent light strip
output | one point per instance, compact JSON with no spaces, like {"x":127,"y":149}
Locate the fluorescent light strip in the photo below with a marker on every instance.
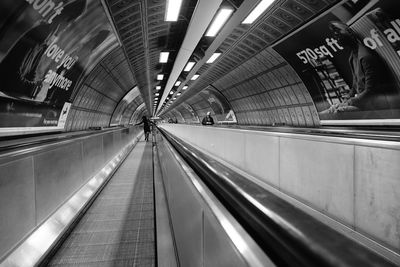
{"x":160,"y":77}
{"x":189,"y":66}
{"x":178,"y":83}
{"x":195,"y":77}
{"x":173,"y":8}
{"x":219,"y":21}
{"x":213,"y":57}
{"x":164,"y":57}
{"x":257,"y":11}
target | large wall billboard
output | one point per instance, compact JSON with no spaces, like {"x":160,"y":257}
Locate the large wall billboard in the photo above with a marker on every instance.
{"x":349,"y":60}
{"x":46,"y":46}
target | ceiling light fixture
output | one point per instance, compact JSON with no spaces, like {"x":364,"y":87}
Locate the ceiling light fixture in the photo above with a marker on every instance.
{"x":158,"y":87}
{"x":257,"y":11}
{"x":173,"y":8}
{"x":157,"y":94}
{"x":171,"y":93}
{"x":195,"y":77}
{"x":164,"y":57}
{"x":160,"y":77}
{"x":213,"y":57}
{"x":178,"y":83}
{"x":178,"y":94}
{"x":219,"y":21}
{"x":189,"y":66}
{"x":185,"y":87}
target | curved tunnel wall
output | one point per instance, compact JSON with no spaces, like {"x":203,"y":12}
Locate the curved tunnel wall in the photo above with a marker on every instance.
{"x":265,"y":90}
{"x":100,"y":92}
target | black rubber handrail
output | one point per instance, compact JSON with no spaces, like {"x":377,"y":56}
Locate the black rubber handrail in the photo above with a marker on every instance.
{"x":288,"y":235}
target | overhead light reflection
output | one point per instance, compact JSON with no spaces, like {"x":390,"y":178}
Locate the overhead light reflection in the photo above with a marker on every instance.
{"x":189,"y":66}
{"x":173,"y":8}
{"x":213,"y":57}
{"x":164,"y":57}
{"x":257,"y":11}
{"x":219,"y":21}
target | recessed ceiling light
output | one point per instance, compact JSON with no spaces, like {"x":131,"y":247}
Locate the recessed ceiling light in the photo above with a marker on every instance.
{"x":213,"y":57}
{"x":173,"y":8}
{"x":178,"y":94}
{"x":189,"y":66}
{"x":160,"y":77}
{"x":185,"y":87}
{"x":257,"y":11}
{"x":178,"y":83}
{"x":195,"y":77}
{"x":171,"y":93}
{"x":157,"y":94}
{"x":219,"y":21}
{"x":158,"y":87}
{"x":164,"y":57}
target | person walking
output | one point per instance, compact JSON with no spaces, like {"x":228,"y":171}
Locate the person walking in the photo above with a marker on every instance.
{"x":146,"y":127}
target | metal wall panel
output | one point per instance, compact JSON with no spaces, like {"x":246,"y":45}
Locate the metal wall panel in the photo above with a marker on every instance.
{"x":17,"y":202}
{"x":93,"y":155}
{"x":58,"y":173}
{"x":377,"y":184}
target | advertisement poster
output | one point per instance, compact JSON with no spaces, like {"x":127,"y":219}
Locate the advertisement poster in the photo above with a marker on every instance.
{"x":45,"y":48}
{"x":219,"y":105}
{"x":349,"y":60}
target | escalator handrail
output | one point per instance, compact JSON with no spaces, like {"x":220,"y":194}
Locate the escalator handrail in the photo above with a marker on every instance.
{"x":36,"y":145}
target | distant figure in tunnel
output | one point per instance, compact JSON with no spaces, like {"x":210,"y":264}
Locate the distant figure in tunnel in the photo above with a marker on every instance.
{"x":208,"y":120}
{"x":146,"y":127}
{"x":373,"y":84}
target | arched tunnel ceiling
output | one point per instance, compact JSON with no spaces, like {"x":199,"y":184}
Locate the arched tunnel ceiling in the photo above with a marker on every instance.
{"x":246,"y":41}
{"x":144,"y":34}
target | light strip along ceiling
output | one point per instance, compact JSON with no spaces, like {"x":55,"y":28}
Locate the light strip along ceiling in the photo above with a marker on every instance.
{"x":201,"y":18}
{"x":236,"y":19}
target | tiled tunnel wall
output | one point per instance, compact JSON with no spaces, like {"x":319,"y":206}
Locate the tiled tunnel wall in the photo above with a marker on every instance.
{"x":100,"y":92}
{"x":264,"y":90}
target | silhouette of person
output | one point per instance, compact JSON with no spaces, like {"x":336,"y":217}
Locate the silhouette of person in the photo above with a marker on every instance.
{"x":146,"y":127}
{"x":208,"y":120}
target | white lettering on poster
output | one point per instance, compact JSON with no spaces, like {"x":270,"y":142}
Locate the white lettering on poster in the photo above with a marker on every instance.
{"x":65,"y":61}
{"x":45,"y":7}
{"x":320,"y":52}
{"x":373,"y":41}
